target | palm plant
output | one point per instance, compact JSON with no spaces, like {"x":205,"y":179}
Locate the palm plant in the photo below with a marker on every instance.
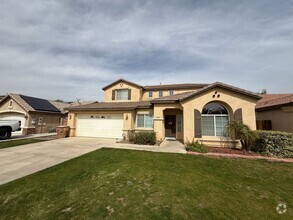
{"x":243,"y":133}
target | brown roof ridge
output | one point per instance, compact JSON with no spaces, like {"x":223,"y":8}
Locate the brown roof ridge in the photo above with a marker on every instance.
{"x":113,"y":106}
{"x":172,"y":98}
{"x":119,"y":80}
{"x":225,"y":86}
{"x":175,"y":86}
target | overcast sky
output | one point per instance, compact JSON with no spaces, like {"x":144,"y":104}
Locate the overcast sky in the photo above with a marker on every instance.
{"x":58,"y":49}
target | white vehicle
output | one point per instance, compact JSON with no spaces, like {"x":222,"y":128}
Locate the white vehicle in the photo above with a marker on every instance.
{"x":8,"y":126}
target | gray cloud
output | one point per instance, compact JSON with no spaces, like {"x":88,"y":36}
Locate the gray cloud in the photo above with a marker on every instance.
{"x":71,"y":49}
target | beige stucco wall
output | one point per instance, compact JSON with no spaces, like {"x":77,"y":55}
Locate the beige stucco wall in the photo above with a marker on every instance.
{"x":231,"y":100}
{"x":282,"y":119}
{"x":135,"y":92}
{"x":16,"y":109}
{"x":49,"y":121}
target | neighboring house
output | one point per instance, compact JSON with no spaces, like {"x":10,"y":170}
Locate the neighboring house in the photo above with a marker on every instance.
{"x":275,"y":112}
{"x":179,"y":111}
{"x":36,"y":115}
{"x":1,"y":97}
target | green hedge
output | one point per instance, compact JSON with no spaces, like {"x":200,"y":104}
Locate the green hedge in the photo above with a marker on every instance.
{"x":142,"y":137}
{"x":274,"y":144}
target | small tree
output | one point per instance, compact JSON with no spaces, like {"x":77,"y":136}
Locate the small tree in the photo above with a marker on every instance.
{"x":243,"y":133}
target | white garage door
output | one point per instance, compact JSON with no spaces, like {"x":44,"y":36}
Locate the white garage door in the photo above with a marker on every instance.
{"x":98,"y":125}
{"x":16,"y":117}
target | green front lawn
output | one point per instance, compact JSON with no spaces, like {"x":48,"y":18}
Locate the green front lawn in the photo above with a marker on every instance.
{"x":13,"y":143}
{"x":125,"y":184}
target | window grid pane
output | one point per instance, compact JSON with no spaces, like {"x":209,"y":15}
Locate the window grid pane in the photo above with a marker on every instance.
{"x":149,"y":122}
{"x":145,"y":121}
{"x":122,"y":94}
{"x":221,"y":125}
{"x":208,"y":127}
{"x":140,"y":121}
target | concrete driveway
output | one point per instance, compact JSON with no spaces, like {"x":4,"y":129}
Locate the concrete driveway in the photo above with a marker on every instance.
{"x":19,"y":161}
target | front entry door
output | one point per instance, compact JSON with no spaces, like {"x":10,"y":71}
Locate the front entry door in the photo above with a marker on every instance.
{"x":170,"y":126}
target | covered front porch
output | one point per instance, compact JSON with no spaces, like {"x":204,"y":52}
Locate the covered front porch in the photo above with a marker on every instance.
{"x":168,"y":121}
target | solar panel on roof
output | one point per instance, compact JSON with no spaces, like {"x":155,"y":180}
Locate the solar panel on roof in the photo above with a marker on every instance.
{"x":40,"y":104}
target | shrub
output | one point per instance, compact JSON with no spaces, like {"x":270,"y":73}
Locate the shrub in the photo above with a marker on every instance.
{"x":196,"y":147}
{"x":144,"y":137}
{"x":243,"y":132}
{"x":131,"y":136}
{"x":274,"y":144}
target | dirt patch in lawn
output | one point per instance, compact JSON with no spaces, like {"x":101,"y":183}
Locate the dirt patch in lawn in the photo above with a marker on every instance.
{"x":227,"y":150}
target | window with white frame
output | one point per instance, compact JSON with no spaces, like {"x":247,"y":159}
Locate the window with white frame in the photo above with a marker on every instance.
{"x":145,"y":121}
{"x":215,"y":119}
{"x":150,"y":94}
{"x":171,"y":92}
{"x":160,"y":94}
{"x":122,"y":94}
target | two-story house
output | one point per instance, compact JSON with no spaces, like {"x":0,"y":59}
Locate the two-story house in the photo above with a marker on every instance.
{"x":180,"y":111}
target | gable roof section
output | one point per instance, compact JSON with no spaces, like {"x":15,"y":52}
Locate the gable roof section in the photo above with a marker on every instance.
{"x":113,"y":106}
{"x":32,"y":104}
{"x":122,"y":80}
{"x":175,"y":86}
{"x":274,"y":100}
{"x":224,"y":86}
{"x":188,"y":95}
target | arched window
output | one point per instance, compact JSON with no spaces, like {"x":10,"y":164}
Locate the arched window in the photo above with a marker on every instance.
{"x":215,"y":118}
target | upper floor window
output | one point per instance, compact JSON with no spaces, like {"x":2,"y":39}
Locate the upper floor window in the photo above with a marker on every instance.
{"x":150,"y":94}
{"x":160,"y":94}
{"x":171,"y":92}
{"x":122,"y":94}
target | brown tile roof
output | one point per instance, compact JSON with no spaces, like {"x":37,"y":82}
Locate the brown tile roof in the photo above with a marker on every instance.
{"x":122,"y":80}
{"x":113,"y":106}
{"x":63,"y":106}
{"x":273,"y":100}
{"x":187,"y":95}
{"x":175,"y":86}
{"x":172,"y":98}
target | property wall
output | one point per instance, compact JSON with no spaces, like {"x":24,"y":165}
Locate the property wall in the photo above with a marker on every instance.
{"x":282,"y":119}
{"x":145,"y":95}
{"x":231,"y":100}
{"x":135,"y":92}
{"x":45,"y":122}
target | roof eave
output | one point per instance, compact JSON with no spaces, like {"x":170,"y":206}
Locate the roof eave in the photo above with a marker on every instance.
{"x":221,"y":86}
